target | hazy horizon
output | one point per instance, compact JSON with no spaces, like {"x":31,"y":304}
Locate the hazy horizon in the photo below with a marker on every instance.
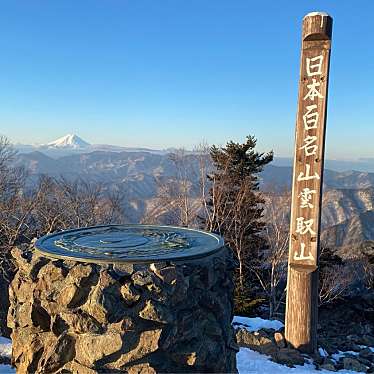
{"x":361,"y":163}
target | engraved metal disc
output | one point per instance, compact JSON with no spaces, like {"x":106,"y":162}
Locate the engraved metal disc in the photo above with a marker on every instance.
{"x":129,"y":243}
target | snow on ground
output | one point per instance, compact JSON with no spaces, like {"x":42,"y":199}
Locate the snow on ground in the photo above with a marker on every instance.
{"x":5,"y":347}
{"x":248,"y":361}
{"x":6,"y":351}
{"x":340,"y":354}
{"x":251,"y":362}
{"x":257,"y":323}
{"x":365,"y":346}
{"x":7,"y":369}
{"x":322,"y":352}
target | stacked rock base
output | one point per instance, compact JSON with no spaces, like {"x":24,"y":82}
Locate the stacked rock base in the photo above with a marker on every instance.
{"x":84,"y":318}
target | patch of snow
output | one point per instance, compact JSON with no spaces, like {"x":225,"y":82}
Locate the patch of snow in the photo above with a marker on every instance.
{"x":322,"y":352}
{"x":257,"y":323}
{"x":248,"y":361}
{"x":311,"y":14}
{"x":5,"y":347}
{"x":7,"y":369}
{"x":365,"y":346}
{"x":337,"y":356}
{"x":251,"y":362}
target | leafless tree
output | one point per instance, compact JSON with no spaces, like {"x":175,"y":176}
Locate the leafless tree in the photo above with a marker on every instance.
{"x":368,"y":271}
{"x":205,"y":169}
{"x":334,"y":283}
{"x":230,"y":209}
{"x":52,"y":204}
{"x":178,"y":201}
{"x":336,"y":276}
{"x":75,"y":203}
{"x":14,"y":211}
{"x":271,"y":267}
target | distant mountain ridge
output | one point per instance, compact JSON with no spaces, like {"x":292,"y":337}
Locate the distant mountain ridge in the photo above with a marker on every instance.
{"x":110,"y":165}
{"x":361,"y":164}
{"x":73,"y":144}
{"x":341,"y":205}
{"x":348,"y":198}
{"x":358,"y":229}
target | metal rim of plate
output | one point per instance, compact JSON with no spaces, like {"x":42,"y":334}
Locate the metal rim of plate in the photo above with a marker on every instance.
{"x":133,"y":243}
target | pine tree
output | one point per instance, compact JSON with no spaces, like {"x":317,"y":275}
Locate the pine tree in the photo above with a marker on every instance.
{"x":234,"y":208}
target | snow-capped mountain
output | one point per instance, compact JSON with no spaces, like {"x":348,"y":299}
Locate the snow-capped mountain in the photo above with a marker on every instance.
{"x":70,"y":141}
{"x":72,"y":144}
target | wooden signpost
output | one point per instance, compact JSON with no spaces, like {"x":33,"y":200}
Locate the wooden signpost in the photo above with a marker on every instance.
{"x":302,"y":283}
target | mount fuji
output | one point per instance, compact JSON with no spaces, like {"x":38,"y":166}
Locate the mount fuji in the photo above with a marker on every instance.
{"x":71,"y":144}
{"x":70,"y":141}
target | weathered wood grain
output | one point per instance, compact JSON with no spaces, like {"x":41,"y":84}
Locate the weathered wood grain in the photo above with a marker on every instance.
{"x":302,"y":285}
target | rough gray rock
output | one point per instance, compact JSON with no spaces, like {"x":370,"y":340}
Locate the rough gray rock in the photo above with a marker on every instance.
{"x":72,"y":317}
{"x":267,"y":342}
{"x":273,"y":344}
{"x":354,"y":365}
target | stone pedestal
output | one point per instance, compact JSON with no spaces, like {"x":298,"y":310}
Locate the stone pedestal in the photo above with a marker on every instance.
{"x":169,"y":316}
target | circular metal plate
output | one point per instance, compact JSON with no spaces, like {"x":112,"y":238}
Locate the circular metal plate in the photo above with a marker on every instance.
{"x":129,"y":243}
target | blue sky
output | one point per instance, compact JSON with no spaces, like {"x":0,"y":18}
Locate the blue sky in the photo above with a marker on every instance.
{"x":173,"y":73}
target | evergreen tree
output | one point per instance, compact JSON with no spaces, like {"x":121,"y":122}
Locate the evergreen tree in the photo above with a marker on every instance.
{"x":234,"y":208}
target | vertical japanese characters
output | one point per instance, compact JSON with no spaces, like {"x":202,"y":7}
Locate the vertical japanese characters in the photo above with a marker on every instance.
{"x":309,"y":146}
{"x":308,"y":158}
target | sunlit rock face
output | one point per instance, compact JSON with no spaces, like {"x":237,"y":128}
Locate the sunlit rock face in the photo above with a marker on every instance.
{"x":74,"y":317}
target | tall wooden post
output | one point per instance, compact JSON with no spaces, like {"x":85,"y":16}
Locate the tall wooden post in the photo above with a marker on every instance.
{"x":302,"y":283}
